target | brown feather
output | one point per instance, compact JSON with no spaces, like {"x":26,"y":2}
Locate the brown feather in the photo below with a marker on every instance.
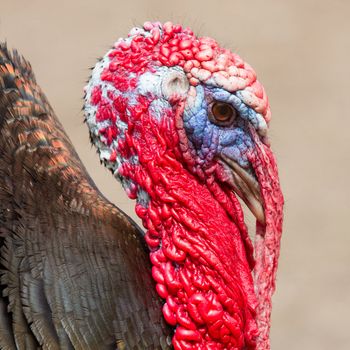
{"x":75,"y":272}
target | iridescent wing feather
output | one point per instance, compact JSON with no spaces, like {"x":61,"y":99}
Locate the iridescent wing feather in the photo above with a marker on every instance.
{"x":75,"y":273}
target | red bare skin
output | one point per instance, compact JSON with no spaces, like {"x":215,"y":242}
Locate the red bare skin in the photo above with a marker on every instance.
{"x":200,"y":250}
{"x":268,"y":236}
{"x":207,"y":285}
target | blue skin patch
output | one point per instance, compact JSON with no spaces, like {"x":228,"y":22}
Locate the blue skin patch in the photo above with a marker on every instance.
{"x":209,"y":139}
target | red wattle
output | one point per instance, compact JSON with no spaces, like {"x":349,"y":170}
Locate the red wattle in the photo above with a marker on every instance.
{"x":198,"y":255}
{"x":201,"y":253}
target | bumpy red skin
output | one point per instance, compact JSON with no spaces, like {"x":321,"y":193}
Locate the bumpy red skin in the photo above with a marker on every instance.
{"x":268,"y":236}
{"x":200,"y":249}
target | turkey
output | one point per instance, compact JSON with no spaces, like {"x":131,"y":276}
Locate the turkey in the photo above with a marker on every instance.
{"x":182,"y":123}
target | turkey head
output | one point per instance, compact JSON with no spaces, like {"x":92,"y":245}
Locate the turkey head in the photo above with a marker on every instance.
{"x":183,"y":123}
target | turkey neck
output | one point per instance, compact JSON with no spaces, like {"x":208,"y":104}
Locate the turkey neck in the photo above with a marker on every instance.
{"x":199,"y":259}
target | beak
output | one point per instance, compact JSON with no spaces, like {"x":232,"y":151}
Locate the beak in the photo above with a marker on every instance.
{"x":246,"y":187}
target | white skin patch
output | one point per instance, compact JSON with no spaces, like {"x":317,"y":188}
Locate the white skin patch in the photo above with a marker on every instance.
{"x":157,"y":108}
{"x":150,"y":83}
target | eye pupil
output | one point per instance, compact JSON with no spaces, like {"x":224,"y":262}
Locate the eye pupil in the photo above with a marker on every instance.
{"x":223,"y":110}
{"x":222,"y":113}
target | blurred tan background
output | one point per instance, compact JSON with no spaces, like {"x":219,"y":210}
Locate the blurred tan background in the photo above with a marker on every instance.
{"x":300,"y":50}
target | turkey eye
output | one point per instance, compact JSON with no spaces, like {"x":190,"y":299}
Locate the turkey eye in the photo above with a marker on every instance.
{"x":222,"y":113}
